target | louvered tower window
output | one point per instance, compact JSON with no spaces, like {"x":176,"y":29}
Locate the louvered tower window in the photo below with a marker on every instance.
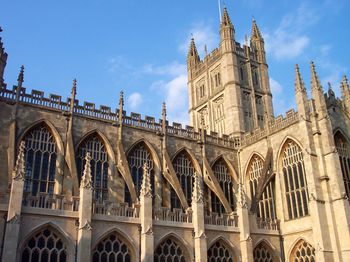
{"x":295,"y":181}
{"x":220,"y":252}
{"x":136,"y":159}
{"x":266,"y":203}
{"x":344,"y":158}
{"x":225,"y":180}
{"x":112,"y":248}
{"x":184,"y":171}
{"x":99,"y":164}
{"x":46,"y":245}
{"x":169,"y":251}
{"x":40,"y":161}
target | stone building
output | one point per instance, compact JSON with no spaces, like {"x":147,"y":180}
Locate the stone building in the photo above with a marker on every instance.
{"x":80,"y":183}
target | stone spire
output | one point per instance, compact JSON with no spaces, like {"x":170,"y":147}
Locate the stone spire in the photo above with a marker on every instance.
{"x":299,"y":83}
{"x":225,"y":19}
{"x":197,"y":194}
{"x":19,"y":170}
{"x":73,"y":94}
{"x":255,"y":31}
{"x":86,"y":180}
{"x":146,"y":188}
{"x":121,"y":107}
{"x":20,"y":78}
{"x":257,"y":42}
{"x":344,"y":86}
{"x":330,"y":90}
{"x":317,"y":92}
{"x":192,"y":55}
{"x":164,"y":118}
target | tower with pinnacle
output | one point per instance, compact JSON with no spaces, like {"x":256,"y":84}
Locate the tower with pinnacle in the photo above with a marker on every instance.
{"x":230,"y":86}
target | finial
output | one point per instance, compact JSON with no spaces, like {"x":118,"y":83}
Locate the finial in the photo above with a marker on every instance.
{"x":19,"y":170}
{"x":315,"y":82}
{"x":197,"y":194}
{"x":20,"y":78}
{"x":74,"y":87}
{"x":86,"y":180}
{"x":164,"y":109}
{"x":146,"y":189}
{"x":205,"y":50}
{"x":330,"y":89}
{"x":226,"y":21}
{"x":345,"y":80}
{"x":121,"y":98}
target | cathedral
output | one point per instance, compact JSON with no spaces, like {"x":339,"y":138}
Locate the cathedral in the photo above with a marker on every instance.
{"x":83,"y":183}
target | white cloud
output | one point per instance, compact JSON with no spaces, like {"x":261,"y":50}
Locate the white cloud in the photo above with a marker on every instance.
{"x":172,"y":69}
{"x":276,"y":87}
{"x":204,"y":35}
{"x":135,"y":100}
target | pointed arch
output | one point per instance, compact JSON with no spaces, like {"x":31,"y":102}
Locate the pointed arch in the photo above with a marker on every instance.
{"x":231,"y":245}
{"x":282,"y":147}
{"x":293,"y":174}
{"x":101,"y":164}
{"x":105,"y":140}
{"x":221,"y":250}
{"x":225,"y":179}
{"x":139,"y":153}
{"x":185,"y":166}
{"x":264,"y":251}
{"x":114,"y":245}
{"x":42,"y":157}
{"x":173,"y":242}
{"x":232,"y":170}
{"x":51,"y":128}
{"x":253,"y":155}
{"x":343,"y":148}
{"x":302,"y":250}
{"x":48,"y":240}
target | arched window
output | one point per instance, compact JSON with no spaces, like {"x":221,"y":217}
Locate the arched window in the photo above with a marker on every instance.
{"x":222,"y":174}
{"x":344,"y":158}
{"x":266,"y":204}
{"x":220,"y":252}
{"x":184,"y":171}
{"x":40,"y":161}
{"x":112,"y":248}
{"x":262,"y":253}
{"x":294,"y":180}
{"x":136,"y":159}
{"x":169,"y":251}
{"x":46,"y":245}
{"x":303,"y":251}
{"x":99,"y":164}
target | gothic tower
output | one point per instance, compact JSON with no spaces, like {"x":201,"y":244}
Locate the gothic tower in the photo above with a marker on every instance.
{"x":230,"y":86}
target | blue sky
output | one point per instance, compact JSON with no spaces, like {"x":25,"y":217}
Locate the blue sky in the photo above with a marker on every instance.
{"x":140,"y":46}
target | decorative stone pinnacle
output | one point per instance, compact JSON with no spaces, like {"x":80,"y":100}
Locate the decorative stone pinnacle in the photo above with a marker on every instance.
{"x":20,"y":78}
{"x":255,"y":30}
{"x":242,"y":201}
{"x":192,"y":51}
{"x":121,"y":98}
{"x":197,"y":194}
{"x":146,"y":189}
{"x":226,"y":21}
{"x":164,"y":110}
{"x":86,"y":180}
{"x":74,"y":87}
{"x":345,"y":81}
{"x":315,"y":82}
{"x":299,"y":83}
{"x":19,"y":170}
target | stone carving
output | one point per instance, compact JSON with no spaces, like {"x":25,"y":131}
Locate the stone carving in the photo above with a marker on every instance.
{"x":86,"y":226}
{"x":19,"y":170}
{"x":15,"y":219}
{"x":86,"y":180}
{"x":242,"y":201}
{"x":197,"y":195}
{"x":146,"y":189}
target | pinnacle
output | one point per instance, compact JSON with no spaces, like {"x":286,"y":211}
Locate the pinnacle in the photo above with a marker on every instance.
{"x":299,"y":83}
{"x":86,"y":180}
{"x":121,"y":98}
{"x":315,"y":82}
{"x":164,"y":109}
{"x":74,"y":87}
{"x":255,"y":30}
{"x":226,"y":21}
{"x":20,"y":162}
{"x":20,"y":78}
{"x":345,"y":80}
{"x":193,"y":49}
